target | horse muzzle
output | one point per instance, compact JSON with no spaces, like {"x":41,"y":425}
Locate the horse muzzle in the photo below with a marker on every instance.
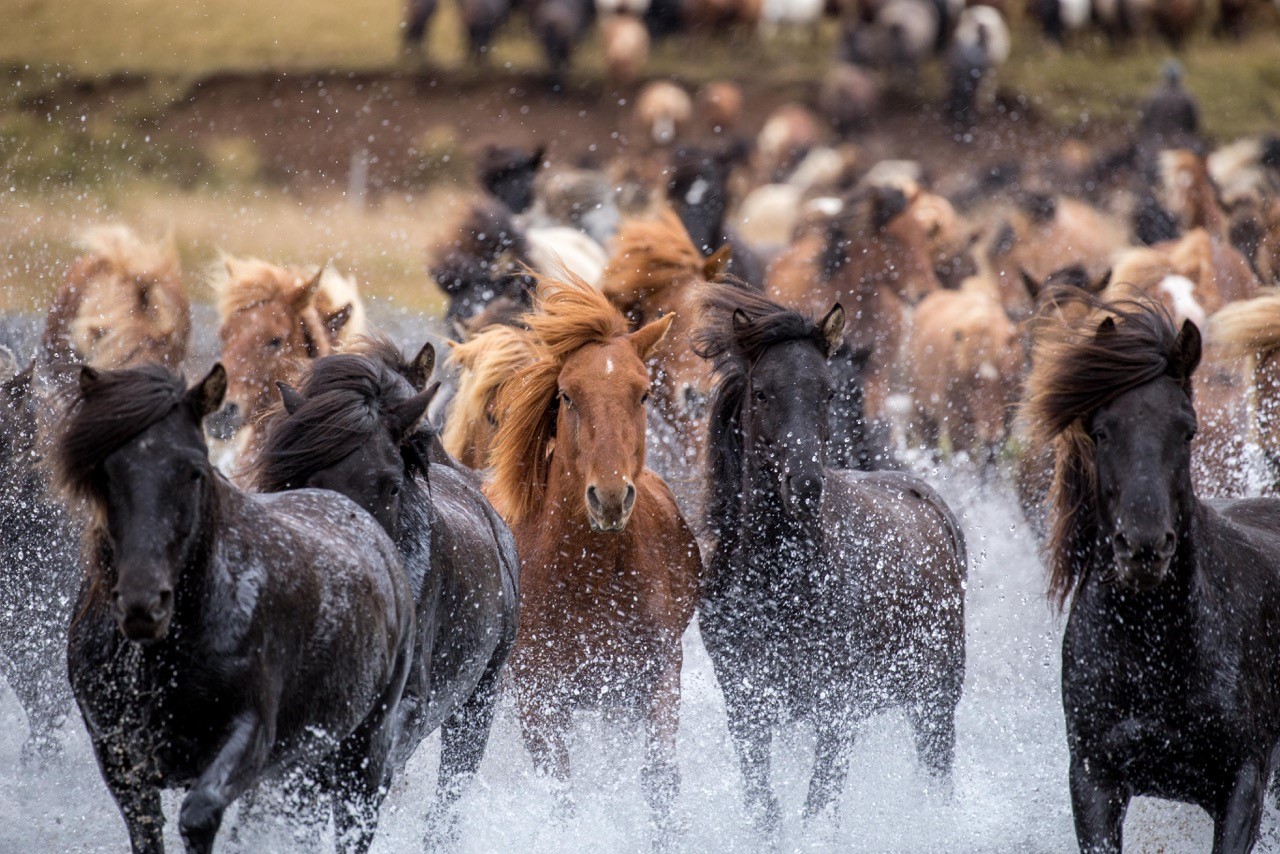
{"x":144,"y":617}
{"x":608,"y":510}
{"x":1142,"y":564}
{"x":802,"y":494}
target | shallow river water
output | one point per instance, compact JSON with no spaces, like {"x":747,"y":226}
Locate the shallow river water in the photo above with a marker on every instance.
{"x":1010,"y":785}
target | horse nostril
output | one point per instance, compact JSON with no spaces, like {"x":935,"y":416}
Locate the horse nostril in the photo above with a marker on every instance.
{"x":629,"y":497}
{"x":1170,"y":540}
{"x":593,"y":498}
{"x":1122,"y":542}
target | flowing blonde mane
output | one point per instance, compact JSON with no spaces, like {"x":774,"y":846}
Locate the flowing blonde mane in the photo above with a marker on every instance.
{"x":650,"y":255}
{"x":1248,"y":327}
{"x":130,"y":306}
{"x":241,"y":283}
{"x":567,"y":315}
{"x":486,"y":361}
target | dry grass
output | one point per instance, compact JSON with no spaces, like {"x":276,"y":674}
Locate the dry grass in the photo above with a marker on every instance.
{"x":383,"y":246}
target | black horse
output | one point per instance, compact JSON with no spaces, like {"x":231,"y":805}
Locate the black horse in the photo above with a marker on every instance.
{"x":698,"y":190}
{"x":353,"y":427}
{"x":831,"y":594}
{"x":219,"y":635}
{"x":1171,"y":658}
{"x":39,"y":564}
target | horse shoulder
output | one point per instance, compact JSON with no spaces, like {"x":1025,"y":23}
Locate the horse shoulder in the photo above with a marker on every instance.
{"x":661,"y":523}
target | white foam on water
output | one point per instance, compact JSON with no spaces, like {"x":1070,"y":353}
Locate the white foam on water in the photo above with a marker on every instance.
{"x":1010,"y":787}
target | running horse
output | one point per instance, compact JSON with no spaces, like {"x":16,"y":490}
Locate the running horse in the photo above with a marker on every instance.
{"x":609,"y":569}
{"x":220,"y":636}
{"x":1171,"y":656}
{"x":831,"y":595}
{"x":353,"y":426}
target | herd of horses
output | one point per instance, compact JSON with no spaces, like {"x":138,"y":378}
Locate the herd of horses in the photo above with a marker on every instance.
{"x":294,"y":571}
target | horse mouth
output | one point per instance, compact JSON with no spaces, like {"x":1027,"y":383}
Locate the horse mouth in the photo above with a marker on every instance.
{"x":600,"y":526}
{"x":1142,"y":574}
{"x":143,"y":629}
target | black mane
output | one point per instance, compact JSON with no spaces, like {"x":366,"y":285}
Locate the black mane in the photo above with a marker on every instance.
{"x":104,"y":417}
{"x":732,"y":351}
{"x":345,"y":398}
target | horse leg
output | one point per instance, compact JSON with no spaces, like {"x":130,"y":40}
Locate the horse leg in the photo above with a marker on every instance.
{"x":1235,"y":829}
{"x":463,"y":738}
{"x":660,"y":774}
{"x":752,"y":735}
{"x":236,"y":767}
{"x":1099,"y":809}
{"x":830,"y":766}
{"x":544,"y":725}
{"x":138,"y":799}
{"x":417,"y":18}
{"x":934,"y":725}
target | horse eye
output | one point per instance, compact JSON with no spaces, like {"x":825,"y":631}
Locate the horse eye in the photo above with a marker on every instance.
{"x":492,"y":422}
{"x":1099,"y":436}
{"x":565,"y":399}
{"x":274,"y":343}
{"x":831,"y":395}
{"x":395,"y":490}
{"x":197,"y":475}
{"x":644,"y":398}
{"x":1191,"y":434}
{"x":761,"y":396}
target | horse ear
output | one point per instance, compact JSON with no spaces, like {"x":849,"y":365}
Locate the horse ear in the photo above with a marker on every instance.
{"x":339,"y":319}
{"x":290,"y":397}
{"x":718,"y":263}
{"x":861,"y":357}
{"x":1187,"y":350}
{"x":404,"y":419}
{"x":537,"y":156}
{"x":1029,"y":282}
{"x":832,"y":326}
{"x":88,"y":378}
{"x":740,"y":320}
{"x":460,"y":331}
{"x":205,"y":397}
{"x":303,"y":296}
{"x":1106,"y":327}
{"x":651,"y":334}
{"x":887,"y":203}
{"x":423,"y":365}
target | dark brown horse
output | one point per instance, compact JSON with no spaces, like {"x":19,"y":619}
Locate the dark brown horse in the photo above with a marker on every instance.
{"x":609,"y":569}
{"x":353,"y":427}
{"x":1171,"y":657}
{"x":831,"y":595}
{"x":218,"y":635}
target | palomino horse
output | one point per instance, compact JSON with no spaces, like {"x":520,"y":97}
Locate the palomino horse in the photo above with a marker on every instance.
{"x":1173,"y":601}
{"x":831,"y":595}
{"x":218,"y":635}
{"x":1250,"y":331}
{"x":655,"y":271}
{"x":353,"y":427}
{"x":610,"y":570}
{"x":485,"y":361}
{"x":271,"y":318}
{"x":121,"y":304}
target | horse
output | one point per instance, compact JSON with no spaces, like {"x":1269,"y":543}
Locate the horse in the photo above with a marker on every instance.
{"x":1250,"y":330}
{"x":221,"y":636}
{"x":656,"y":271}
{"x":270,"y":318}
{"x":1170,"y":657}
{"x":122,"y":303}
{"x":486,"y":361}
{"x":967,"y":358}
{"x":663,"y":112}
{"x":698,"y":191}
{"x":872,"y":255}
{"x":609,"y":568}
{"x":830,"y":595}
{"x":352,"y":426}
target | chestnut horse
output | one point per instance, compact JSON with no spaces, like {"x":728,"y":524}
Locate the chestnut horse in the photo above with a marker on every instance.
{"x":121,"y":304}
{"x":831,"y":595}
{"x":221,"y":636}
{"x":609,"y":568}
{"x":270,"y":318}
{"x":1170,"y":659}
{"x":1250,"y":331}
{"x":485,"y":361}
{"x":656,"y":271}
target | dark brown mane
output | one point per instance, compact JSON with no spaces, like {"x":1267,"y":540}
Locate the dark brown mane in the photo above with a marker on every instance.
{"x":1078,"y":369}
{"x":101,"y":420}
